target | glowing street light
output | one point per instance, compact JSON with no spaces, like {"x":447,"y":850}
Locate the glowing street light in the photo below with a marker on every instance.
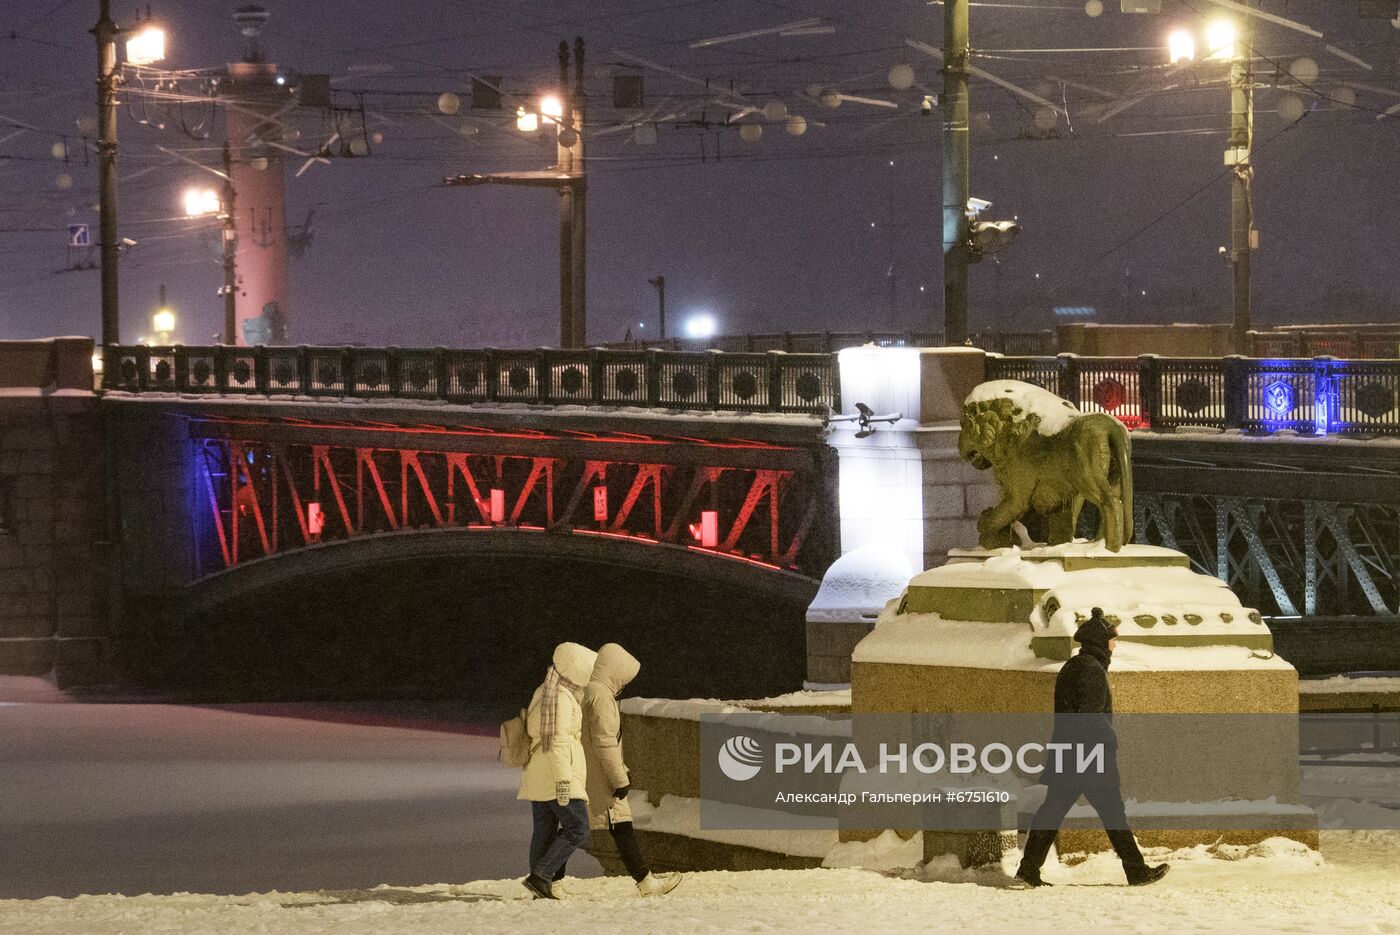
{"x":146,"y":46}
{"x":526,"y":121}
{"x":1181,"y":46}
{"x":552,"y":107}
{"x":163,"y":324}
{"x":201,"y":202}
{"x":1221,"y":37}
{"x":701,"y":325}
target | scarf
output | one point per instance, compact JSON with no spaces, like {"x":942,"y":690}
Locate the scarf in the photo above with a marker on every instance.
{"x":549,"y":705}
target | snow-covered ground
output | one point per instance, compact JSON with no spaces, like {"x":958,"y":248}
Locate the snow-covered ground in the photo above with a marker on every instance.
{"x":1271,"y":888}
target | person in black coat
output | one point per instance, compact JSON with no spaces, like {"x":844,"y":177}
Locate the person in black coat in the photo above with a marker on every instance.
{"x":1081,"y":690}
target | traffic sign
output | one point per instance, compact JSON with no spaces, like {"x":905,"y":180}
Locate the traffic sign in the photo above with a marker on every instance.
{"x":78,"y":236}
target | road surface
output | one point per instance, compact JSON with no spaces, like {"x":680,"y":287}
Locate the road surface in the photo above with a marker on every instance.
{"x":160,"y":798}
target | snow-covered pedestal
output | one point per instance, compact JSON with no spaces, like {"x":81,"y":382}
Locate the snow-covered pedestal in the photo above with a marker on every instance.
{"x":987,"y":633}
{"x":854,"y":589}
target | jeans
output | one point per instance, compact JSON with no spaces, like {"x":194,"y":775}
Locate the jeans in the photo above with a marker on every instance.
{"x":559,"y":830}
{"x":1061,"y":794}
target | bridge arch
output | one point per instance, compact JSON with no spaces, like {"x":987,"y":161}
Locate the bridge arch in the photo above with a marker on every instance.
{"x":249,"y":580}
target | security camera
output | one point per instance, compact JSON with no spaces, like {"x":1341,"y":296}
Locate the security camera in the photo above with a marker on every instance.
{"x":976,"y":206}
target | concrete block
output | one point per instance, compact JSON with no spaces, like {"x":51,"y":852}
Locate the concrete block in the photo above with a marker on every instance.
{"x":27,"y":627}
{"x":946,"y":376}
{"x":26,"y":657}
{"x":91,"y":625}
{"x":944,"y":501}
{"x":940,"y":535}
{"x":828,"y":670}
{"x":27,"y":436}
{"x":981,"y":497}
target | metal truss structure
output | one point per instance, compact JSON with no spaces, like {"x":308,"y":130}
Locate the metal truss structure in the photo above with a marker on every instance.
{"x":1285,"y":557}
{"x":266,"y":488}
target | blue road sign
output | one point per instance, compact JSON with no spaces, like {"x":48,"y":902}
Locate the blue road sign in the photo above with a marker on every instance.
{"x":78,"y":236}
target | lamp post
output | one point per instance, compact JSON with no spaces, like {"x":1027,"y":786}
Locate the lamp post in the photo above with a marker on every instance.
{"x":660,"y":283}
{"x":229,"y":233}
{"x":1224,"y":42}
{"x":163,"y":321}
{"x":206,"y":202}
{"x":955,"y":184}
{"x":143,"y":48}
{"x":567,"y":112}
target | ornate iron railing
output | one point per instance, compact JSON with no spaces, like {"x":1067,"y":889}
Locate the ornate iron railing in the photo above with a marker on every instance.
{"x":760,"y":382}
{"x":1317,"y":396}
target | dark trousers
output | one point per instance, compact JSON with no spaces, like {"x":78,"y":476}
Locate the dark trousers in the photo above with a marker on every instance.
{"x":1106,"y":799}
{"x":559,"y":830}
{"x":627,"y":848}
{"x":630,"y":852}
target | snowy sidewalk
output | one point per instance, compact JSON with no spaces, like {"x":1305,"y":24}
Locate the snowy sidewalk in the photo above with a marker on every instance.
{"x":1357,"y":889}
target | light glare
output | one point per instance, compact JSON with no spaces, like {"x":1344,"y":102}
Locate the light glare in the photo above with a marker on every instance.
{"x":146,"y":47}
{"x":1221,"y":36}
{"x":702,"y":325}
{"x":1181,"y":46}
{"x":200,"y":202}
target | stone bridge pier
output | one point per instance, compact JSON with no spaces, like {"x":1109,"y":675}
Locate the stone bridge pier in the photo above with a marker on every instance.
{"x":54,"y":539}
{"x":903,"y":488}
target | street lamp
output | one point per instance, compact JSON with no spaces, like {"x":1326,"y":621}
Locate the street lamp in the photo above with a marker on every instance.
{"x":204,"y":202}
{"x":1181,"y":46}
{"x":144,"y":46}
{"x":1224,"y":42}
{"x":700,"y":326}
{"x":1222,"y":37}
{"x":163,"y":324}
{"x":526,"y":121}
{"x":201,"y":202}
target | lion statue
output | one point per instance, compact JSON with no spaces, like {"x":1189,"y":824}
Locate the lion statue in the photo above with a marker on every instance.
{"x":1049,"y":458}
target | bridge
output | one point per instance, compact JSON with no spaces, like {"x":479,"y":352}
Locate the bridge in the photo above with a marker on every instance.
{"x":200,"y":482}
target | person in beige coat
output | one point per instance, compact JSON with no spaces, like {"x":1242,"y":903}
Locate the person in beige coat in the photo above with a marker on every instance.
{"x":554,"y":781}
{"x":608,"y":781}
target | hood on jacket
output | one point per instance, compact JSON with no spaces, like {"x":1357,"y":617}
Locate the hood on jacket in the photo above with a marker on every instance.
{"x":615,"y":667}
{"x":574,"y":662}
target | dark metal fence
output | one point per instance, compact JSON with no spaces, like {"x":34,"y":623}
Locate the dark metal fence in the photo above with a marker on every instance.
{"x":1312,"y":397}
{"x":756,"y":382}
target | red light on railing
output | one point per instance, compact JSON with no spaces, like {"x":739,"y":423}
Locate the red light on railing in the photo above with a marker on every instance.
{"x":498,"y":505}
{"x":315,"y":519}
{"x":600,"y":504}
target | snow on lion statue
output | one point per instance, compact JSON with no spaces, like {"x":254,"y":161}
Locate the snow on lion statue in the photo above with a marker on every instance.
{"x":1049,"y":458}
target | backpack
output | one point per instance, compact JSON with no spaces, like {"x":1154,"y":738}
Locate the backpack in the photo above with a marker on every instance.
{"x":515,"y":740}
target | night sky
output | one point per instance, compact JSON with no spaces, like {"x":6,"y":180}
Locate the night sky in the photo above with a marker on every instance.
{"x":789,"y":233}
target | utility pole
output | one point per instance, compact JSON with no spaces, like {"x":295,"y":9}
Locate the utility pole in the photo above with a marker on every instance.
{"x":955,"y":159}
{"x":106,"y":32}
{"x":229,"y":232}
{"x":578,"y":254}
{"x":660,"y":283}
{"x":1242,"y":234}
{"x":567,"y":177}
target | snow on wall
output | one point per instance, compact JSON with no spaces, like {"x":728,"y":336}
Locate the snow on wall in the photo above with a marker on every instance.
{"x":1055,"y":413}
{"x":1342,"y":684}
{"x":860,"y":583}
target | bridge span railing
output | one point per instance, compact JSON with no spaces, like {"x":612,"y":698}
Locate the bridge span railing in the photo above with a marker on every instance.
{"x":1310,"y":396}
{"x":773,"y":381}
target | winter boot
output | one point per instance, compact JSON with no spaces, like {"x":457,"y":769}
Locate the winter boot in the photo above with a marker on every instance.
{"x":658,"y":884}
{"x":1030,"y":879}
{"x":1141,"y":876}
{"x":539,"y":886}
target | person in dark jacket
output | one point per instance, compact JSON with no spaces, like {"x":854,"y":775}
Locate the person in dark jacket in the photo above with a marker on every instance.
{"x":1081,"y":690}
